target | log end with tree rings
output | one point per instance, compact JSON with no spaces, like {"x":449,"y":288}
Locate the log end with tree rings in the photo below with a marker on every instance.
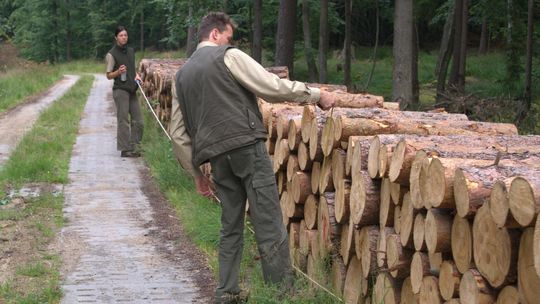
{"x":414,"y":179}
{"x":314,"y":144}
{"x":342,"y":207}
{"x":436,"y":190}
{"x":373,"y":157}
{"x":461,"y":243}
{"x":397,"y":159}
{"x":407,"y":294}
{"x":419,"y":268}
{"x":498,"y":204}
{"x":327,"y":137}
{"x":292,"y":166}
{"x":397,"y":218}
{"x":528,"y":279}
{"x":338,"y":165}
{"x":337,"y":275}
{"x":304,"y":162}
{"x":449,"y":279}
{"x":419,"y":230}
{"x":283,"y":201}
{"x":407,"y":220}
{"x":461,"y":193}
{"x":352,"y":291}
{"x":492,"y":248}
{"x":386,"y":290}
{"x":424,"y":183}
{"x":384,"y":156}
{"x":438,"y":228}
{"x":367,"y":253}
{"x":508,"y":295}
{"x":429,"y":292}
{"x":473,"y":288}
{"x":310,"y":211}
{"x":536,"y":246}
{"x":384,"y":208}
{"x":398,"y":258}
{"x":308,"y":115}
{"x":521,"y":200}
{"x":293,"y":134}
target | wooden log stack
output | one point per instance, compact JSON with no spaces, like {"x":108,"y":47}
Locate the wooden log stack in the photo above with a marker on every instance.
{"x":390,"y":206}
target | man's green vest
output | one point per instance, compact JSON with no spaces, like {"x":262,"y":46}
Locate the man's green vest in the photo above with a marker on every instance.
{"x":220,"y":115}
{"x":124,"y":56}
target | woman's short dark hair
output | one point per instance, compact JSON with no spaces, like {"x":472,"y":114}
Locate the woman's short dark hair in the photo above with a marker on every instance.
{"x":214,"y":20}
{"x":119,"y":29}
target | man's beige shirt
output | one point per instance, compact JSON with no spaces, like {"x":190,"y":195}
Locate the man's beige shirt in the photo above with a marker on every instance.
{"x":252,"y":76}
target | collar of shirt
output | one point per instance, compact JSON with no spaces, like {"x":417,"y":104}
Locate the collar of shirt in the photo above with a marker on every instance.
{"x":205,"y":43}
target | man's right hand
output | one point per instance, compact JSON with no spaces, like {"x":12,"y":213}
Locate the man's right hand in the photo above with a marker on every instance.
{"x":204,"y":186}
{"x":327,"y":100}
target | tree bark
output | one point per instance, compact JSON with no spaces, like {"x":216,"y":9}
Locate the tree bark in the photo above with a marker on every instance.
{"x":286,"y":30}
{"x":525,"y":106}
{"x":323,"y":40}
{"x":191,"y":44}
{"x":256,"y":47}
{"x":484,"y":36}
{"x":386,"y":290}
{"x":310,"y":59}
{"x":445,"y":52}
{"x":453,"y":81}
{"x":347,"y":45}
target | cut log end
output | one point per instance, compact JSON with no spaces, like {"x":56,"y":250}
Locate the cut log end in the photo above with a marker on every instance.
{"x":449,"y":279}
{"x":521,"y":200}
{"x":396,"y":163}
{"x":498,"y":204}
{"x":461,"y":193}
{"x":528,"y":279}
{"x":473,"y":288}
{"x":461,"y":243}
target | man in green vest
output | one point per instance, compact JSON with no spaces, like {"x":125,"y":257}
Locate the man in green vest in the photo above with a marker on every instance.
{"x":216,"y":119}
{"x":121,"y":67}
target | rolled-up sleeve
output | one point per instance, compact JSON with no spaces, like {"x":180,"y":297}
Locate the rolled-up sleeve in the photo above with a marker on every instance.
{"x":254,"y":77}
{"x":181,"y":141}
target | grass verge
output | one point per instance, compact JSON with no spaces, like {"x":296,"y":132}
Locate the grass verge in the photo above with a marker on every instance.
{"x":201,"y":221}
{"x":31,"y":271}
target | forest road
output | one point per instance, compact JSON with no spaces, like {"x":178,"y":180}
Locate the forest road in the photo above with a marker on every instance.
{"x":122,"y":242}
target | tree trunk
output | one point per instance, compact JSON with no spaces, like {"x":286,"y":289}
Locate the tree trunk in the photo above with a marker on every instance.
{"x":495,"y":249}
{"x":484,"y":36}
{"x":404,"y":48}
{"x":354,"y":282}
{"x":525,"y":106}
{"x":419,"y":269}
{"x":445,"y":52}
{"x":364,"y":200}
{"x":347,"y":45}
{"x":453,"y":79}
{"x":323,"y":40}
{"x":462,"y":243}
{"x":310,"y":59}
{"x":386,"y":290}
{"x":463,"y":46}
{"x":191,"y":44}
{"x":68,"y":32}
{"x":366,"y":249}
{"x":449,"y":279}
{"x":256,"y":47}
{"x":286,"y":29}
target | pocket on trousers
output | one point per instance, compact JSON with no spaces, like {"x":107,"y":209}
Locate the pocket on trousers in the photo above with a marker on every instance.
{"x":263,"y":181}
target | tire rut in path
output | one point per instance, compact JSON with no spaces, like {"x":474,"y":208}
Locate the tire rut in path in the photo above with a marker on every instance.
{"x":108,"y":244}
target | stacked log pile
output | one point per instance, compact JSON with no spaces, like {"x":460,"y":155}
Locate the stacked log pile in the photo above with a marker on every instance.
{"x":388,"y":206}
{"x":410,"y":207}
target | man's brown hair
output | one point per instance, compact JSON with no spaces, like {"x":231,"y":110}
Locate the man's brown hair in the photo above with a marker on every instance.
{"x":214,"y":20}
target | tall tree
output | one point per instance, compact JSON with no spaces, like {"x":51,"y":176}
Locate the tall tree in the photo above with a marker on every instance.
{"x":256,"y":46}
{"x":323,"y":40}
{"x":191,"y":43}
{"x":457,"y":73}
{"x":445,"y":51}
{"x":526,"y":104}
{"x":310,"y":59}
{"x":286,"y":29}
{"x":482,"y":48}
{"x":347,"y":45}
{"x":404,"y":86}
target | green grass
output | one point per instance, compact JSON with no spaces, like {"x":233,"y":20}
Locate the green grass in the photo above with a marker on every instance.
{"x":200,"y":218}
{"x":43,"y":154}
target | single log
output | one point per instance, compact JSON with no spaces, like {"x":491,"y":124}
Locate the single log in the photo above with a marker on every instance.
{"x":297,"y":257}
{"x":435,"y":261}
{"x":325,"y":176}
{"x":309,"y":113}
{"x":376,"y":157}
{"x":509,"y":295}
{"x":310,"y":211}
{"x":315,"y":177}
{"x":346,"y":100}
{"x":292,"y":209}
{"x":384,"y":232}
{"x":304,"y":162}
{"x":283,"y":202}
{"x":536,"y":246}
{"x":462,"y":246}
{"x":343,"y":191}
{"x":397,"y":218}
{"x":524,"y":198}
{"x":397,"y":257}
{"x":397,"y":192}
{"x":429,"y":293}
{"x":494,"y":249}
{"x":420,"y":160}
{"x":283,"y":123}
{"x":301,"y":187}
{"x":293,"y":135}
{"x":306,"y":237}
{"x":408,"y":213}
{"x":449,"y":279}
{"x":281,"y":181}
{"x":316,"y":129}
{"x":337,"y":275}
{"x":328,"y":140}
{"x":281,"y":155}
{"x":292,"y":166}
{"x":346,"y":249}
{"x":474,"y":289}
{"x":364,"y":200}
{"x":438,"y":228}
{"x":272,"y":112}
{"x":439,"y":182}
{"x":386,"y":209}
{"x":419,"y":231}
{"x":419,"y":269}
{"x":386,"y":290}
{"x":366,"y":249}
{"x":338,"y":165}
{"x":407,"y":294}
{"x":528,"y":279}
{"x":499,"y":207}
{"x":357,"y":152}
{"x":328,"y":227}
{"x":352,"y":293}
